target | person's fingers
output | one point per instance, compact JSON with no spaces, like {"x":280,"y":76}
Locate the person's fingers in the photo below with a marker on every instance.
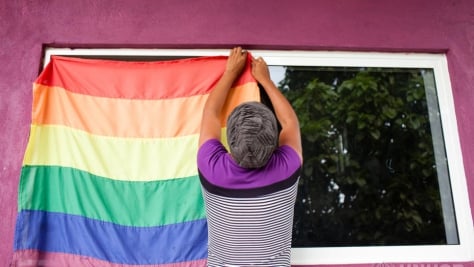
{"x":233,"y":51}
{"x":242,"y":52}
{"x":238,"y":52}
{"x":258,"y":60}
{"x":236,"y":60}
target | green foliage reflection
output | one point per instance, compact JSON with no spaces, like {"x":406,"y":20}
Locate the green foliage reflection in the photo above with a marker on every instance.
{"x":369,"y":176}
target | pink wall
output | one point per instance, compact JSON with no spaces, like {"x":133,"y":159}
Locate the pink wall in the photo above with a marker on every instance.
{"x":402,"y":25}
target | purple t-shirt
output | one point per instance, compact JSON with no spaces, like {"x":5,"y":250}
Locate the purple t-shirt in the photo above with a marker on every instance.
{"x":217,"y":168}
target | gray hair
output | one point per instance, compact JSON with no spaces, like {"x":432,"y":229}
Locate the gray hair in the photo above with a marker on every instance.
{"x":252,"y":134}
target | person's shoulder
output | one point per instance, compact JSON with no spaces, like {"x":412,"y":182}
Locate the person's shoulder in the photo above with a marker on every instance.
{"x":211,"y":143}
{"x":285,"y":161}
{"x":288,"y":153}
{"x":211,"y":147}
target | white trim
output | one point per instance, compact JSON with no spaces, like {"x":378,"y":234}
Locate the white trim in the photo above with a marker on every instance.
{"x":273,"y":57}
{"x":353,"y":255}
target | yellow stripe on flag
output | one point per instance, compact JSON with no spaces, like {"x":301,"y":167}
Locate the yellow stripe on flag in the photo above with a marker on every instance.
{"x":130,"y":159}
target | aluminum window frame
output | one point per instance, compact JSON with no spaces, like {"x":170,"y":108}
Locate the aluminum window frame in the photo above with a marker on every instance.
{"x":464,"y":251}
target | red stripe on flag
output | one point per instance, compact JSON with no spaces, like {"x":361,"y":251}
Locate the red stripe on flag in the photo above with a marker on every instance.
{"x":124,"y":79}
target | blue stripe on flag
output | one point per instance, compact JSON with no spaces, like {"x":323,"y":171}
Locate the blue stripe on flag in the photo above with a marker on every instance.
{"x":59,"y":232}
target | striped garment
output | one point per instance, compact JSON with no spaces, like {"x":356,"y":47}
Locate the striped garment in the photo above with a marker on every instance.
{"x":249,"y":211}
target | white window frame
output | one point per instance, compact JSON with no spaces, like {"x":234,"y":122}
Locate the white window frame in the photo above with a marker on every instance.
{"x":463,"y":252}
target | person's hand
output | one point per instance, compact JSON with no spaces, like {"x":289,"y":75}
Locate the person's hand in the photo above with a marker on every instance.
{"x":260,"y":70}
{"x":236,"y":61}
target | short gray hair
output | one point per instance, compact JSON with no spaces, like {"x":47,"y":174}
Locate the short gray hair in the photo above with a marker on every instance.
{"x":252,"y":134}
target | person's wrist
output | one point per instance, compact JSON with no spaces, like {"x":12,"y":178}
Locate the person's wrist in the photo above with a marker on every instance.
{"x":264,"y":81}
{"x":231,"y":73}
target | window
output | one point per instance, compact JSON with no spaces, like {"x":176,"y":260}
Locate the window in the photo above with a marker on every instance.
{"x":383,"y":179}
{"x":375,"y":166}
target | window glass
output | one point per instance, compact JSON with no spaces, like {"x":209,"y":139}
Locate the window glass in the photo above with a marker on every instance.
{"x":374,"y":160}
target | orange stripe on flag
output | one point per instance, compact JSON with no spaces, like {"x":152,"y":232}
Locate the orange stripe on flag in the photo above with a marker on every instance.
{"x":128,"y":117}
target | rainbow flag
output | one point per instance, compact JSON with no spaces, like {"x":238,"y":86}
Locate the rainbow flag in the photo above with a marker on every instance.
{"x":109,"y":176}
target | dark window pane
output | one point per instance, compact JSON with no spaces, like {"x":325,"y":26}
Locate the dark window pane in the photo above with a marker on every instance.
{"x":371,"y":173}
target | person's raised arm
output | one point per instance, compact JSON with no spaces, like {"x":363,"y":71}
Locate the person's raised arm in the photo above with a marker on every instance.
{"x":290,"y":132}
{"x":211,"y":123}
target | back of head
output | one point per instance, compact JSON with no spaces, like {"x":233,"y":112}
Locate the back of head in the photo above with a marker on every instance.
{"x":252,"y":134}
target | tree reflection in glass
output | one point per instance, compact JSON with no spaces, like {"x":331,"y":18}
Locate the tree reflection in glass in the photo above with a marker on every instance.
{"x":370,"y":175}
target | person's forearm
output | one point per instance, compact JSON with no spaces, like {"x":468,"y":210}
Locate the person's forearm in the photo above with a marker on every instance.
{"x":218,"y":95}
{"x":211,"y":123}
{"x":234,"y":66}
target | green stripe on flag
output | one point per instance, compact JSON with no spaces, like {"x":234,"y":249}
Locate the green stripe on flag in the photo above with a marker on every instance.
{"x":71,"y":191}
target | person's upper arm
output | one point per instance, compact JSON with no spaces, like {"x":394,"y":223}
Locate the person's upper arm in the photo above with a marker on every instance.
{"x":210,"y":128}
{"x":290,"y":135}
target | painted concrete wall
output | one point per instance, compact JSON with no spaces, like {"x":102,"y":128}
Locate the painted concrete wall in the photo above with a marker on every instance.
{"x":359,"y":25}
